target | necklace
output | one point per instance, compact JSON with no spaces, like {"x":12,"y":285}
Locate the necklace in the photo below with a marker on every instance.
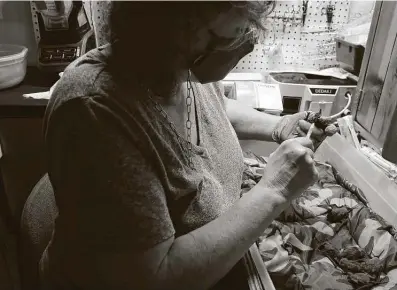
{"x":190,"y":95}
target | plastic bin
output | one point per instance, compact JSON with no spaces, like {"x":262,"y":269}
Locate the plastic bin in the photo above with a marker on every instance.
{"x":13,"y":62}
{"x":350,"y":55}
{"x":302,"y":91}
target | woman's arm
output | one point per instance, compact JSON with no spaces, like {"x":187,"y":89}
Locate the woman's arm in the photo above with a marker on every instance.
{"x":201,"y":258}
{"x":198,"y":260}
{"x":249,"y":123}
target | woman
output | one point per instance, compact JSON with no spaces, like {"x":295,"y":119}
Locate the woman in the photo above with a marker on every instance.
{"x":144,"y":156}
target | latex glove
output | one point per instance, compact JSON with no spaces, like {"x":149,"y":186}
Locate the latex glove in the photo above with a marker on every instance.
{"x":297,"y":125}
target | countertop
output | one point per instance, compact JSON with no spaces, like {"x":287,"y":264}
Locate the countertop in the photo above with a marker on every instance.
{"x":14,"y":105}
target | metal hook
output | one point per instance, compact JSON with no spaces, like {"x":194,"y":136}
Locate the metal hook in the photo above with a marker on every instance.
{"x":304,"y":5}
{"x":327,"y":9}
{"x":299,"y":10}
{"x":285,"y":18}
{"x":293,"y":9}
{"x":304,"y":11}
{"x":275,"y":14}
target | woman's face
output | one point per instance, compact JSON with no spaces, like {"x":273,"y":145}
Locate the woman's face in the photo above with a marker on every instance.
{"x":220,"y":46}
{"x":225,"y":29}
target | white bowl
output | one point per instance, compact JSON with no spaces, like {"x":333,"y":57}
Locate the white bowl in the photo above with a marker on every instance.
{"x":13,"y":62}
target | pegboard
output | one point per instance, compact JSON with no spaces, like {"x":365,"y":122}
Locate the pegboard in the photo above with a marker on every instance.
{"x":36,"y":30}
{"x":290,"y":45}
{"x":286,"y":45}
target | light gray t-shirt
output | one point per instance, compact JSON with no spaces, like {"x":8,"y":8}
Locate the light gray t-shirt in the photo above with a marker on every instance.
{"x":121,"y":175}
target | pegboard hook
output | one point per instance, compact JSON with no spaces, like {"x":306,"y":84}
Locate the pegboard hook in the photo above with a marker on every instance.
{"x":299,"y":10}
{"x":285,"y":20}
{"x":293,"y":9}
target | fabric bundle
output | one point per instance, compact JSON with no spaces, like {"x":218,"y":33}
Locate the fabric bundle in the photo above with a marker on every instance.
{"x":329,"y":238}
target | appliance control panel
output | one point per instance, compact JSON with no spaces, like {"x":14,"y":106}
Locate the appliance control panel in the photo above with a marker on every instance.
{"x":56,"y":55}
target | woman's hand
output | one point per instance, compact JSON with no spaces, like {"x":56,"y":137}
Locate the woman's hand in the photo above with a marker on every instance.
{"x":297,"y":125}
{"x":290,"y":169}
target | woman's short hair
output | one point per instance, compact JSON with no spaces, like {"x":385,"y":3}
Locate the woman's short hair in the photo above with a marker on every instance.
{"x":129,"y":17}
{"x":156,"y":35}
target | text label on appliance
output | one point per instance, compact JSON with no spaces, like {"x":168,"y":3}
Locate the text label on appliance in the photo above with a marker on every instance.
{"x":321,"y":91}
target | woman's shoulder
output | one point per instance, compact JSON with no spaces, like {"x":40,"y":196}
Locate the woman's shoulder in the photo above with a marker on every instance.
{"x":85,"y":87}
{"x":87,"y":76}
{"x":86,"y":96}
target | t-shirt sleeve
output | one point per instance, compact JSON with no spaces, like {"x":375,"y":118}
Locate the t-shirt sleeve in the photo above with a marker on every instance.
{"x":107,"y":190}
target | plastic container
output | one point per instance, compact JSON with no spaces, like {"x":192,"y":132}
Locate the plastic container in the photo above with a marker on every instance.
{"x":350,"y":55}
{"x":13,"y":62}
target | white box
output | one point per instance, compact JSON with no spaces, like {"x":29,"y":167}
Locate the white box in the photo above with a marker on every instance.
{"x":258,"y":95}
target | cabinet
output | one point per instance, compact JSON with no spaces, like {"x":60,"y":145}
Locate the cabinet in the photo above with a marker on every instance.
{"x":376,"y":96}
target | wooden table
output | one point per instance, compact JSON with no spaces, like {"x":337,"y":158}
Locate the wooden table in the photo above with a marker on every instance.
{"x":14,"y":105}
